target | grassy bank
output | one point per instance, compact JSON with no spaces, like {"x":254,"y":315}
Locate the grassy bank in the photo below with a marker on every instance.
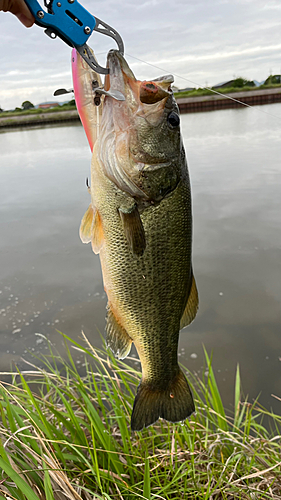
{"x":68,"y":113}
{"x":32,"y":118}
{"x":227,"y":90}
{"x":71,"y":439}
{"x":37,"y":111}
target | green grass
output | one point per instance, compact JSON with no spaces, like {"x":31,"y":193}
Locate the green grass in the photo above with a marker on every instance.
{"x":227,"y":90}
{"x":37,"y":111}
{"x":64,"y":435}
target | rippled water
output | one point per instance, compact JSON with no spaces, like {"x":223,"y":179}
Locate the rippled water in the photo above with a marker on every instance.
{"x":50,"y":281}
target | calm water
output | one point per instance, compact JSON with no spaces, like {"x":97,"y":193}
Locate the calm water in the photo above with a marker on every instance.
{"x":49,"y":280}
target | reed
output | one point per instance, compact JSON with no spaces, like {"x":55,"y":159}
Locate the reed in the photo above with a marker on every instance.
{"x":66,"y":435}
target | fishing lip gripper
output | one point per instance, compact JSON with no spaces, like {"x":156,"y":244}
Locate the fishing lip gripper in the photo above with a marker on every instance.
{"x":71,"y":22}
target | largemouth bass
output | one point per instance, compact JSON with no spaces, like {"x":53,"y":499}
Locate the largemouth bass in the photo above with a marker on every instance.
{"x":139,"y":222}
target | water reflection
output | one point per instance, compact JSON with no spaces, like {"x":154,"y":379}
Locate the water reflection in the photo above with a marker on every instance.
{"x":50,"y":281}
{"x":236,"y":178}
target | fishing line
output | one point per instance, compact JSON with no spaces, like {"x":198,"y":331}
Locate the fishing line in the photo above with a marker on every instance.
{"x":191,"y":81}
{"x":205,"y":88}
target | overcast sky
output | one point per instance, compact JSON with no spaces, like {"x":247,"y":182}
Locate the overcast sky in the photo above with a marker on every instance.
{"x":203,"y":41}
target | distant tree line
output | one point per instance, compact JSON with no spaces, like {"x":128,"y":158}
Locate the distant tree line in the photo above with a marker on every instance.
{"x":239,"y":82}
{"x":273,"y":80}
{"x":26,"y":105}
{"x":242,"y":82}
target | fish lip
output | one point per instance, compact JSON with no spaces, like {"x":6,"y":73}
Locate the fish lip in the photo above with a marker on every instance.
{"x":116,"y":62}
{"x":120,"y":75}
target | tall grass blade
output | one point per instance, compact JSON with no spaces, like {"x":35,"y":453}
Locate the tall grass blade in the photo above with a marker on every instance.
{"x":18,"y":480}
{"x":146,"y":481}
{"x":237,"y":397}
{"x":47,"y":483}
{"x":215,"y":396}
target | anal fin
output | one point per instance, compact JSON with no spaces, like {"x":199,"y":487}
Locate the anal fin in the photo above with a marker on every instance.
{"x":133,"y":229}
{"x":117,"y":339}
{"x":191,"y":307}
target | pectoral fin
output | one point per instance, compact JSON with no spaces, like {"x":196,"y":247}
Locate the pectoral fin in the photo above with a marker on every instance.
{"x":91,"y":229}
{"x":117,"y":338}
{"x":191,"y":306}
{"x":85,"y":231}
{"x":133,"y":229}
{"x":97,"y":233}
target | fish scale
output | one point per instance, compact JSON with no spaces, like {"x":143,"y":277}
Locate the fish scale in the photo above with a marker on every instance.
{"x":149,"y":297}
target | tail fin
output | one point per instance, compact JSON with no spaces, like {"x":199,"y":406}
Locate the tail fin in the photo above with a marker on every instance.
{"x":175,"y":403}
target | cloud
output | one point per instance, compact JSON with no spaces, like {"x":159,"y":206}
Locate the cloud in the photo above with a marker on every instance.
{"x":200,"y":41}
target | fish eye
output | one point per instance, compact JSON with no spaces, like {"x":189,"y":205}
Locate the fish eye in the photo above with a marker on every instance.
{"x":173,"y":119}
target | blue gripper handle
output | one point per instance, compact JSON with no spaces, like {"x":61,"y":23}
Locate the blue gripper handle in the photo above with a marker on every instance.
{"x":69,"y":20}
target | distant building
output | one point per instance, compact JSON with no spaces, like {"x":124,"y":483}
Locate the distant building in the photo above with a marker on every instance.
{"x":187,"y":89}
{"x":48,"y":105}
{"x":229,"y":83}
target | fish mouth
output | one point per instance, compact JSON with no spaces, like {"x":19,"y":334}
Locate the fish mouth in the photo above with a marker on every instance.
{"x":116,"y":63}
{"x":120,"y":76}
{"x":129,"y":148}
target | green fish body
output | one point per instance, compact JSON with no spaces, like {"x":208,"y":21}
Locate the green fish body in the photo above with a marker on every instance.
{"x":140,"y":223}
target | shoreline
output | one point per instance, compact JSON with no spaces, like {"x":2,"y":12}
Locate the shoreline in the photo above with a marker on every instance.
{"x":215,"y":101}
{"x":35,"y":120}
{"x":186,"y":105}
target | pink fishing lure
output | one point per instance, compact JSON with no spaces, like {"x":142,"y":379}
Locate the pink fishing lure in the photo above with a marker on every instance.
{"x":90,"y":114}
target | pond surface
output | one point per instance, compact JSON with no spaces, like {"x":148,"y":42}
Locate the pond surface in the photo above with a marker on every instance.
{"x":50,"y":281}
